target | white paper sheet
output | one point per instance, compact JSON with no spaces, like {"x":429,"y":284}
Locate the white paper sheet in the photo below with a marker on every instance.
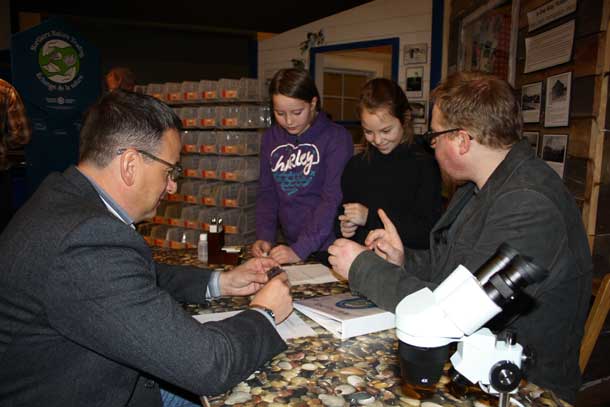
{"x":309,"y":274}
{"x":291,"y":327}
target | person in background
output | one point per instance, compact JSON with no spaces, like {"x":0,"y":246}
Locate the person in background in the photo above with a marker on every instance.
{"x":302,"y":157}
{"x":392,"y":173}
{"x":86,"y":316}
{"x":120,"y":78}
{"x":15,"y":132}
{"x":506,"y":195}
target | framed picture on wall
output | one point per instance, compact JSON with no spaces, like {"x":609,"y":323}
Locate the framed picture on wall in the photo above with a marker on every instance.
{"x":419,"y":111}
{"x":488,"y":39}
{"x":531,"y":101}
{"x":415,"y":54}
{"x":414,"y":83}
{"x":534,"y":138}
{"x":554,"y":150}
{"x":557,"y":105}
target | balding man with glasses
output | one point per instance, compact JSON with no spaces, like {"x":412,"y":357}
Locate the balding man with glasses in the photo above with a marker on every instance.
{"x":506,"y":194}
{"x":86,"y":316}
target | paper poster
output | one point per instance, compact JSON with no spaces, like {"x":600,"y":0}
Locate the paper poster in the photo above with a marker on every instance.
{"x":557,"y":108}
{"x":552,"y":47}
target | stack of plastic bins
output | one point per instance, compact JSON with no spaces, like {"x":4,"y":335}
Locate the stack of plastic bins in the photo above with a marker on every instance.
{"x":191,"y":164}
{"x":238,"y":143}
{"x":207,"y":116}
{"x":250,"y":89}
{"x":208,"y":167}
{"x":205,"y":216}
{"x":158,"y":234}
{"x":190,"y":191}
{"x":258,"y":117}
{"x":190,"y":91}
{"x":210,"y":193}
{"x":231,"y":116}
{"x":208,"y":142}
{"x":239,"y":169}
{"x":189,"y":117}
{"x":238,"y":195}
{"x":208,"y":90}
{"x":190,"y":141}
{"x":174,"y":92}
{"x":229,"y":89}
{"x":160,"y":215}
{"x":190,"y":216}
{"x":156,"y":90}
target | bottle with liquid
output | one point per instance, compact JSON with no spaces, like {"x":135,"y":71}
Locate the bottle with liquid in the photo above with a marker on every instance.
{"x":202,"y":248}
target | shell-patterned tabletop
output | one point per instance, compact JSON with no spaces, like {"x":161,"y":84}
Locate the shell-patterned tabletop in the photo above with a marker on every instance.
{"x":325,"y":371}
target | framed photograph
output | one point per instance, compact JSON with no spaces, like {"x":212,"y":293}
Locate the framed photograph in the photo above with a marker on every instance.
{"x":531,"y":100}
{"x":534,"y":138}
{"x":558,"y":93}
{"x":415,"y":54}
{"x":414,"y":83}
{"x":554,"y":150}
{"x":419,"y":111}
{"x":488,"y":39}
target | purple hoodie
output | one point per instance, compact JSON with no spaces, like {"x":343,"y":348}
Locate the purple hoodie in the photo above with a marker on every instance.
{"x":300,"y":184}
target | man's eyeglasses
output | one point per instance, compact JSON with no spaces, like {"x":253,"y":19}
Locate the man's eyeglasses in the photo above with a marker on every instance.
{"x":431,"y":135}
{"x":175,"y":170}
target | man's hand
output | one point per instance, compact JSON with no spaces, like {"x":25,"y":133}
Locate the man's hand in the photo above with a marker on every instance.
{"x":386,"y":242}
{"x":261,"y":248}
{"x":348,"y":229}
{"x":356,"y":213}
{"x":342,"y":254}
{"x":247,"y":278}
{"x":284,"y":255}
{"x":275,"y":295}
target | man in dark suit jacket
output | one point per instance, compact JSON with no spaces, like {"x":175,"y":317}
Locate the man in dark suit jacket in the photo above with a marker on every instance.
{"x":86,"y":316}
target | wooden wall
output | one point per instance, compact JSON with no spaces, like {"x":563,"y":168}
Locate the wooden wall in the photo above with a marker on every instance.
{"x":587,"y":169}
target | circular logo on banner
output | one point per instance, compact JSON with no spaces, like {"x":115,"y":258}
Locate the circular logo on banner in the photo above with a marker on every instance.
{"x":59,"y":61}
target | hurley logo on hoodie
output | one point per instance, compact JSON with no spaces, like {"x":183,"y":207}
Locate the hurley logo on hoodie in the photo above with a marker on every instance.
{"x":293,"y":167}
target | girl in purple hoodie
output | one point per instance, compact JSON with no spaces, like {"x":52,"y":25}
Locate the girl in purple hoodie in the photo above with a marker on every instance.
{"x":301,"y":161}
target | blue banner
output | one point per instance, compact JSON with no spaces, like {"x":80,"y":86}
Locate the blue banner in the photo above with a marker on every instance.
{"x":57,"y":73}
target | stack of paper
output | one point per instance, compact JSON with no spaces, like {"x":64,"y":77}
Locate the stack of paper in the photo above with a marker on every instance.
{"x":291,"y":327}
{"x":345,"y":315}
{"x":309,"y":274}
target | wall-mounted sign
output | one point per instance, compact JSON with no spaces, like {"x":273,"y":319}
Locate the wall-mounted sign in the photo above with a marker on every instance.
{"x":548,"y":12}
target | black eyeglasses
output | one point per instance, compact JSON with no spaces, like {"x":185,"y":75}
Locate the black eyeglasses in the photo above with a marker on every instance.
{"x":431,"y":135}
{"x":175,"y":170}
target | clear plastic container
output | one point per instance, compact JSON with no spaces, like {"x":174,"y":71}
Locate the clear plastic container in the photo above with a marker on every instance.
{"x":250,"y":89}
{"x":229,"y":89}
{"x":238,"y":195}
{"x":190,"y":91}
{"x":180,"y":238}
{"x":233,"y":116}
{"x":190,"y":141}
{"x":190,"y":216}
{"x":174,"y":92}
{"x":207,"y":116}
{"x":189,"y":117}
{"x":160,"y":214}
{"x":208,"y":167}
{"x":173,"y":213}
{"x":158,"y":235}
{"x":208,"y":90}
{"x":207,"y":142}
{"x":191,"y":166}
{"x":190,"y":191}
{"x":238,"y":143}
{"x":239,"y":221}
{"x":139,"y":89}
{"x":156,"y":90}
{"x":240,"y":169}
{"x":210,"y":193}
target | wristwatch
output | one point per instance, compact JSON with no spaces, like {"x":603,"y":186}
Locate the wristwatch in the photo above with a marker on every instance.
{"x":266,"y":310}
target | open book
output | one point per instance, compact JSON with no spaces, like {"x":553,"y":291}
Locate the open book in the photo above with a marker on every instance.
{"x":345,"y":315}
